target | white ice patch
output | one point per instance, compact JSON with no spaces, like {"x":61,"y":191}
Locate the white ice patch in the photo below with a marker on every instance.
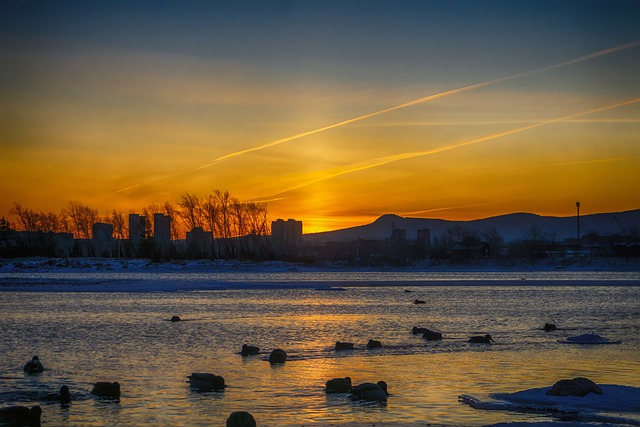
{"x":617,"y":404}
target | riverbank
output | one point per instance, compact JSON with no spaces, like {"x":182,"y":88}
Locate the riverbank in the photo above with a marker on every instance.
{"x":136,"y":276}
{"x":41,"y":264}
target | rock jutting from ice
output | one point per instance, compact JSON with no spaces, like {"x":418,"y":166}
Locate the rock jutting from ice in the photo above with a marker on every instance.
{"x":575,"y":387}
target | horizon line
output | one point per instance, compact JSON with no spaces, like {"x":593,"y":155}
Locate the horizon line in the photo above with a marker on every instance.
{"x":476,"y":219}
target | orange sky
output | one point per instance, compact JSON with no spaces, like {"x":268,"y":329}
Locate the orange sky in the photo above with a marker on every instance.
{"x":312,"y":110}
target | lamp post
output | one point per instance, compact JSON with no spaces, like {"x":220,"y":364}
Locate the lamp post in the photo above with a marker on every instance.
{"x":578,"y":222}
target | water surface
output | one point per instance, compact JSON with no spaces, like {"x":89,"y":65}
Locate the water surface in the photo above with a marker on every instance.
{"x":125,"y":336}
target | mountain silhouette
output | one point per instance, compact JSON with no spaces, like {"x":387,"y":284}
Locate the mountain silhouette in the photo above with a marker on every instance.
{"x":511,"y":227}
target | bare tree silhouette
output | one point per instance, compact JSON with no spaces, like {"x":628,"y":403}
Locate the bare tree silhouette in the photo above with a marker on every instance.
{"x":191,"y":211}
{"x":81,"y":219}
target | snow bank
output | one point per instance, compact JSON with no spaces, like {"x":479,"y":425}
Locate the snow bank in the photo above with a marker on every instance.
{"x":146,"y":265}
{"x":617,"y":398}
{"x":39,"y":264}
{"x":617,"y":404}
{"x":140,"y":275}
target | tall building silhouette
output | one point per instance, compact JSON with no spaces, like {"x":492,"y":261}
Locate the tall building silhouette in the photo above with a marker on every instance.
{"x":102,"y":234}
{"x":286,"y":238}
{"x":162,"y":233}
{"x":136,"y":233}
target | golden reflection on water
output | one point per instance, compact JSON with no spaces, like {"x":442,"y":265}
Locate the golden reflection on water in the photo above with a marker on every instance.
{"x":427,"y":386}
{"x":83,"y":338}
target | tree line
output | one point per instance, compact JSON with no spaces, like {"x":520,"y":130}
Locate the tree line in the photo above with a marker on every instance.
{"x":219,"y":212}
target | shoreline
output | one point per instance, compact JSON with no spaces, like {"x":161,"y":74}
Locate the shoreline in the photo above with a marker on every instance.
{"x":141,"y":275}
{"x":145,"y":285}
{"x":8,"y":265}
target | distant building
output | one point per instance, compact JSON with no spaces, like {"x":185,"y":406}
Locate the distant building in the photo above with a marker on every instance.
{"x":64,"y":244}
{"x":136,"y":233}
{"x":199,"y":243}
{"x":423,"y":242}
{"x":399,"y":236}
{"x":102,"y":236}
{"x":36,"y":243}
{"x":162,"y":233}
{"x":396,"y":245}
{"x":286,"y":238}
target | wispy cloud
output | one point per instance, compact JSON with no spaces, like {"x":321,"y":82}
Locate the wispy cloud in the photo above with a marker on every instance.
{"x":381,"y":161}
{"x":422,"y":100}
{"x":417,"y":101}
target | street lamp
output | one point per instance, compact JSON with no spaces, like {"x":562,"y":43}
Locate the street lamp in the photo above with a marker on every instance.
{"x":578,"y":222}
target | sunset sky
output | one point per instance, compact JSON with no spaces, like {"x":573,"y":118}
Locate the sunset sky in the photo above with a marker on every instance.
{"x":520,"y":106}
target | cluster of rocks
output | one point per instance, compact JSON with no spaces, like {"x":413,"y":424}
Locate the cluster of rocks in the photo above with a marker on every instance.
{"x":365,"y":391}
{"x":23,"y":416}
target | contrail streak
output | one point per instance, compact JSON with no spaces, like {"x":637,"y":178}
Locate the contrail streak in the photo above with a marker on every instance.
{"x":374,"y":163}
{"x":421,"y":100}
{"x":122,"y":190}
{"x":398,"y":107}
{"x":591,"y":161}
{"x":450,"y":208}
{"x":492,"y":122}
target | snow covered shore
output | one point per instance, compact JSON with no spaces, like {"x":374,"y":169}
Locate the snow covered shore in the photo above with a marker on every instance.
{"x":140,"y":275}
{"x":617,"y":405}
{"x":114,"y":264}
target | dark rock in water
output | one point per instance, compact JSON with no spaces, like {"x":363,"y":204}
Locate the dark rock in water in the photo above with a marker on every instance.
{"x":206,"y":382}
{"x":107,"y":389}
{"x":176,"y":319}
{"x":418,"y":301}
{"x":576,"y":387}
{"x":34,"y":366}
{"x":241,"y":419}
{"x":21,"y":416}
{"x":432,"y":335}
{"x":343,"y":346}
{"x":278,"y":355}
{"x":418,"y":331}
{"x":548,"y":327}
{"x":374,"y":344}
{"x":479,"y":339}
{"x":339,"y":385}
{"x":370,"y":391}
{"x":64,"y":397}
{"x":249,"y":350}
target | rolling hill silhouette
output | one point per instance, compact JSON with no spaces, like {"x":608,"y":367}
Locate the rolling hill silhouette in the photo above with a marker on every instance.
{"x":511,"y":227}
